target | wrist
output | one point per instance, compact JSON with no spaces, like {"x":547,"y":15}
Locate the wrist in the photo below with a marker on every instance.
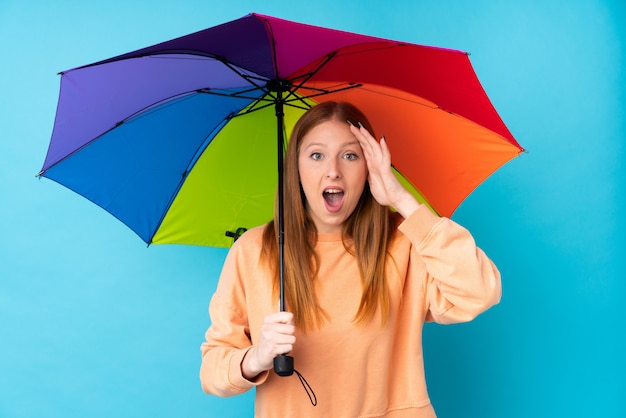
{"x":406,"y":205}
{"x":249,"y":366}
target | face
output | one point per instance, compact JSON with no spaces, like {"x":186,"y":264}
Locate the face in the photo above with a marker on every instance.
{"x":333,"y":172}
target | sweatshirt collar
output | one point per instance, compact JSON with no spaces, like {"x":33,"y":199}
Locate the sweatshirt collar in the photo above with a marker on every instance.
{"x":334,"y":237}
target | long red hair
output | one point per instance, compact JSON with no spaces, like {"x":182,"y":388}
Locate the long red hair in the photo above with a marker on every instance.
{"x":366,"y":233}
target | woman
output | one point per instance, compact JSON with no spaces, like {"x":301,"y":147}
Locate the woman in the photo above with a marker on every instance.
{"x":360,"y":281}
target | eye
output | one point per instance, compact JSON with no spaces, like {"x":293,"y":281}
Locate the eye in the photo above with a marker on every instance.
{"x":351,"y":156}
{"x":316,"y":156}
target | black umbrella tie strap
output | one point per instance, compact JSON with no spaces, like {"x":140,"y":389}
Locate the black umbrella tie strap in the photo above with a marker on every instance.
{"x":283,"y":366}
{"x":307,"y":388}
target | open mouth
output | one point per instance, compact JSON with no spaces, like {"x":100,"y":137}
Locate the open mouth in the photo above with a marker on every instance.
{"x":333,"y":199}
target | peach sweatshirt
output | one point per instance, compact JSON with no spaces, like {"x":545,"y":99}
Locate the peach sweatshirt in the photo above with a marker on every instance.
{"x":435,"y":273}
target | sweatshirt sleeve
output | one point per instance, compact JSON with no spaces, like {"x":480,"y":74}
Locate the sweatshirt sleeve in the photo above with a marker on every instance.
{"x":460,"y":280}
{"x":228,"y":338}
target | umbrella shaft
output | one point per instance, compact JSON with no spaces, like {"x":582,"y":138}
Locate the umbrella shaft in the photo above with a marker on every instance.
{"x":280,"y":117}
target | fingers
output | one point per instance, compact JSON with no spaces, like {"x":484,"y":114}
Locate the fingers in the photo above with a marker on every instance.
{"x":374,"y":151}
{"x":366,"y":140}
{"x":383,"y":145}
{"x":277,"y":337}
{"x":278,"y":330}
{"x":280,"y":317}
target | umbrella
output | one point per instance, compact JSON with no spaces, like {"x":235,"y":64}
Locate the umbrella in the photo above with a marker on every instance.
{"x":183,"y":141}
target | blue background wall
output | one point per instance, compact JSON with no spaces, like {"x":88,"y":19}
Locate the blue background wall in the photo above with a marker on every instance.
{"x":94,"y":324}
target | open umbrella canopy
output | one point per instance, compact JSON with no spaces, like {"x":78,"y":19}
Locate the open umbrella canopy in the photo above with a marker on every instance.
{"x":179,"y":140}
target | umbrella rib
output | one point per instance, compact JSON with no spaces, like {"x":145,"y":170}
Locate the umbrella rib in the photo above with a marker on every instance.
{"x":257,"y":87}
{"x":291,"y":96}
{"x":256,"y":99}
{"x":168,"y":101}
{"x":225,"y":93}
{"x":269,"y":99}
{"x":324,"y":92}
{"x":247,"y":77}
{"x":254,"y":108}
{"x":434,"y":106}
{"x":307,"y":77}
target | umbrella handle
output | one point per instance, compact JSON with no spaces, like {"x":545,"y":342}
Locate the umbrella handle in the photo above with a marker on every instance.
{"x":283,"y":365}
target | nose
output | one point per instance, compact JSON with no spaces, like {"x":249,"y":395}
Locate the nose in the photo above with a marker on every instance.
{"x":333,"y":170}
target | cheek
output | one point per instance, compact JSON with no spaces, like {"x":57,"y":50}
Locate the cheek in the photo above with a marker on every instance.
{"x":307,"y":180}
{"x":302,"y":172}
{"x":360,"y":175}
{"x":357,"y":181}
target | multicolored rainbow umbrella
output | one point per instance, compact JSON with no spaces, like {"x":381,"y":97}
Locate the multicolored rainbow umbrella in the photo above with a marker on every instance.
{"x":182,"y":141}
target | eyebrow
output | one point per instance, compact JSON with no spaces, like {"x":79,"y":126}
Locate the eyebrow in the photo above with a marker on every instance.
{"x":345,"y":144}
